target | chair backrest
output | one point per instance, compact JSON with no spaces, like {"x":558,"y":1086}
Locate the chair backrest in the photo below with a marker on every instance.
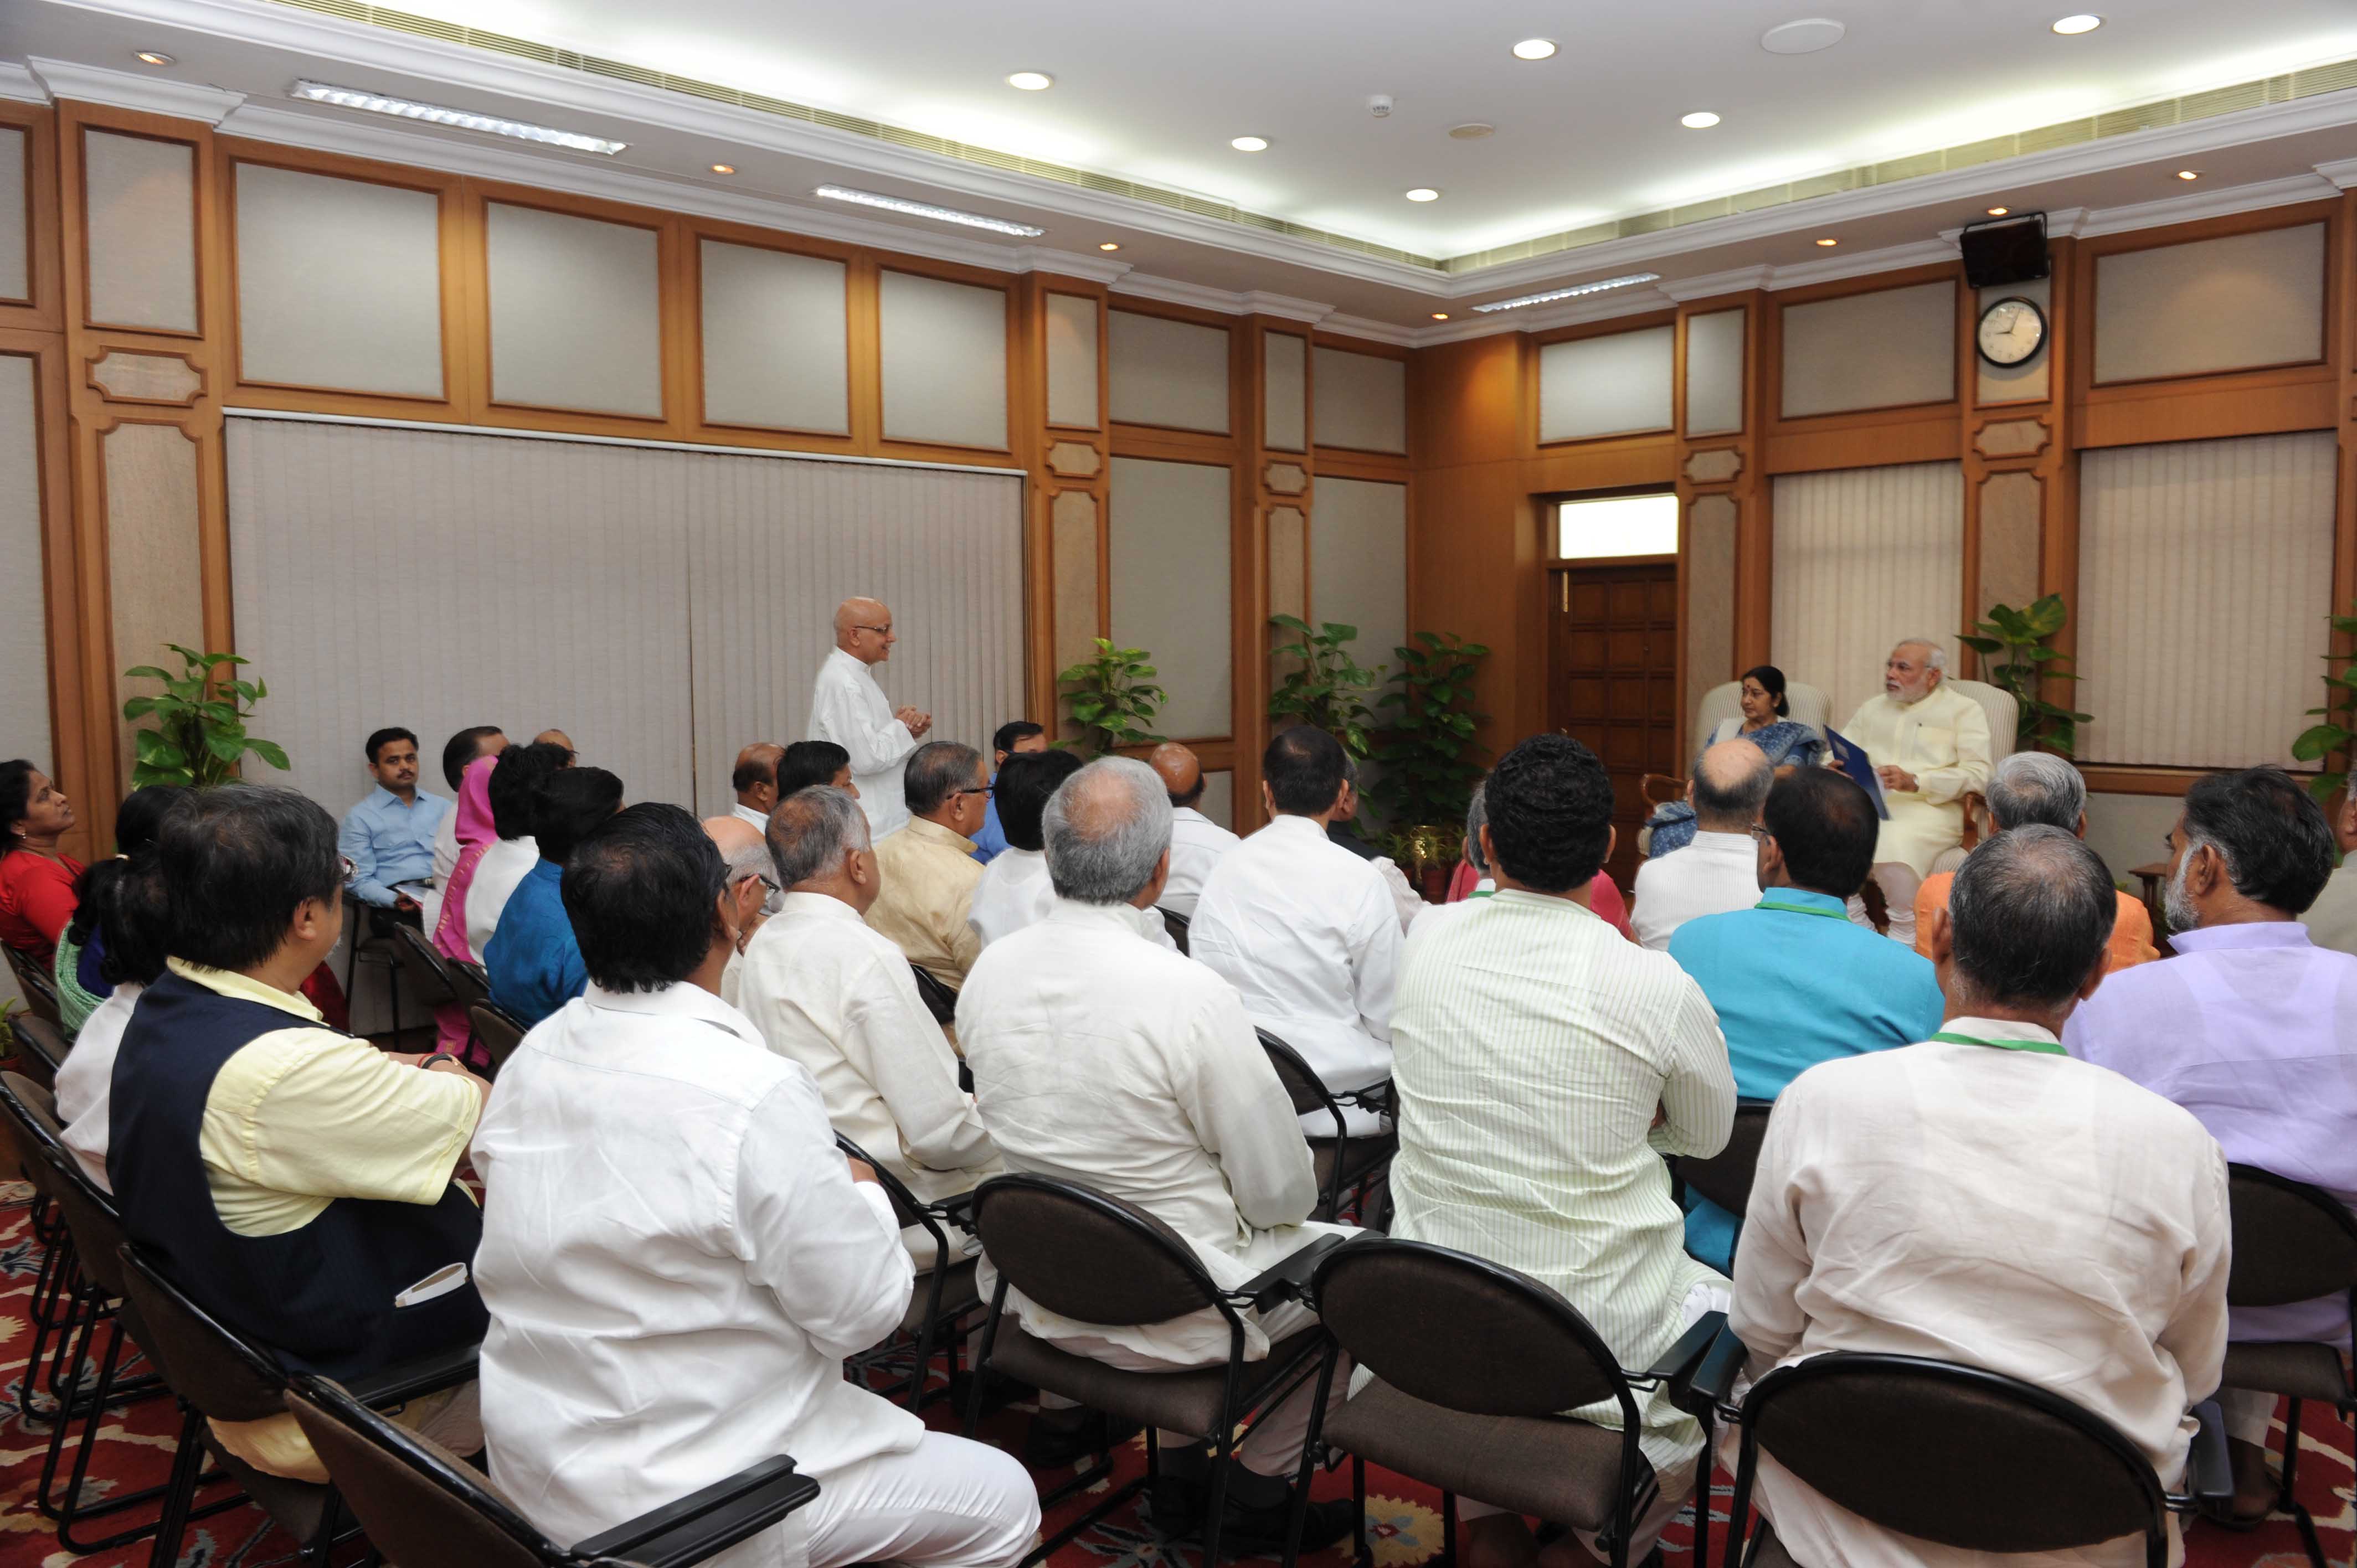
{"x":1308,"y":1091}
{"x":498,"y":1031}
{"x":1809,"y":704}
{"x":28,"y":1114}
{"x":906,"y":1209}
{"x":1959,"y":1456}
{"x":1725,"y":1177}
{"x":42,"y":1047}
{"x":469,"y":984}
{"x":223,"y":1376}
{"x":422,"y":949}
{"x":40,"y":991}
{"x":1462,"y":1332}
{"x":1087,"y":1255}
{"x":940,"y":1000}
{"x":1177,"y":925}
{"x":2292,"y":1242}
{"x":2004,"y":714}
{"x":90,"y":1219}
{"x":421,"y":1505}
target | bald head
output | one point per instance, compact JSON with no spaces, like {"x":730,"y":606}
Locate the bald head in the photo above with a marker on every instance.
{"x":739,"y":843}
{"x":1730,"y":785}
{"x":559,"y":738}
{"x":1107,"y":831}
{"x":863,"y":628}
{"x":756,"y":777}
{"x":1179,"y":769}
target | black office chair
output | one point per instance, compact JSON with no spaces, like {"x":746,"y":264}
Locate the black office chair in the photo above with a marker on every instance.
{"x":368,"y":940}
{"x":1177,"y":925}
{"x":499,"y":1031}
{"x":41,"y":1049}
{"x":1725,"y":1177}
{"x":40,"y":991}
{"x":28,"y":1120}
{"x":1347,"y":1162}
{"x":944,"y":1294}
{"x":940,"y":1000}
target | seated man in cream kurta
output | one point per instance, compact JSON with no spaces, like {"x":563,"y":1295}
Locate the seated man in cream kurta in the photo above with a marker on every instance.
{"x":928,"y":867}
{"x":1931,"y":747}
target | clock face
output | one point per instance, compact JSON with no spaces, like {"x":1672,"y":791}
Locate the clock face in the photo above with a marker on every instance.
{"x":2011,"y":330}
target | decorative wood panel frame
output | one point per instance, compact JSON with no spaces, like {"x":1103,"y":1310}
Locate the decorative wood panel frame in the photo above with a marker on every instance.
{"x":43,"y":309}
{"x":61,"y":578}
{"x":1614,"y":327}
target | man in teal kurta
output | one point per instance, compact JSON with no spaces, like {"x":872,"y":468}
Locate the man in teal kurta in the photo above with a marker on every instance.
{"x":1794,"y":983}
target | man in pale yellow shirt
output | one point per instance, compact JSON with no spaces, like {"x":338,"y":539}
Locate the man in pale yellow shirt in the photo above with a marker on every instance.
{"x":927,"y":867}
{"x":293,"y":1179}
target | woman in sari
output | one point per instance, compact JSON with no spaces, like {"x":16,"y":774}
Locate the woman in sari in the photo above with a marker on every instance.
{"x":1766,"y":722}
{"x":474,"y":834}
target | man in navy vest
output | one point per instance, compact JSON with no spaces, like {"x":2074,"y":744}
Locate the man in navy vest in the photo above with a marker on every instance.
{"x":293,"y":1179}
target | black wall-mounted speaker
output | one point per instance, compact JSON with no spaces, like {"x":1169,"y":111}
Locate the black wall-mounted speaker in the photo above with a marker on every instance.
{"x":2005,"y":250}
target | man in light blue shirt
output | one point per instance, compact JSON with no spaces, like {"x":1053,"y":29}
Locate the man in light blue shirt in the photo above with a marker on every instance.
{"x":389,"y":836}
{"x":1794,"y":983}
{"x":1016,"y":734}
{"x":533,"y":960}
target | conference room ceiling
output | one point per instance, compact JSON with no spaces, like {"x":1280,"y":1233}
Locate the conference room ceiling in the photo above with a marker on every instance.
{"x":1896,"y":132}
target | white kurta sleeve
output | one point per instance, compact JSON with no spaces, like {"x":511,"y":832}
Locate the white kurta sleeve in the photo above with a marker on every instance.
{"x":1774,"y":1261}
{"x":891,"y":1037}
{"x":840,"y":713}
{"x":1243,"y":1115}
{"x":1973,"y":769}
{"x":1376,"y":936}
{"x":1698,"y":1094}
{"x":2195,"y":1334}
{"x":1405,"y":900}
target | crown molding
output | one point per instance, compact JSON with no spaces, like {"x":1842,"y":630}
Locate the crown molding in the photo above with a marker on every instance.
{"x":1068,"y":264}
{"x":19,"y":83}
{"x":1284,"y":306}
{"x":2255,"y":197}
{"x":1710,"y":286}
{"x":1376,"y":331}
{"x":145,"y":92}
{"x":1864,"y":263}
{"x":2342,"y":174}
{"x":1227,"y":302}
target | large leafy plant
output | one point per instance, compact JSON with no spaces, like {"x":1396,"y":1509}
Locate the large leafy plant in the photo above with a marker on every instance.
{"x":1114,"y":699}
{"x":200,"y":735}
{"x":1324,"y":686}
{"x":2339,"y":729}
{"x":2022,"y":637}
{"x":1425,"y":740}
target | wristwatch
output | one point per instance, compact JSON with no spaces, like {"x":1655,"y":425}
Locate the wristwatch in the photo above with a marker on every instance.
{"x":439,"y":1056}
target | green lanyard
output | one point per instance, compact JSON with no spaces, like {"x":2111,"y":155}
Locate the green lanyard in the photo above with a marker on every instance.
{"x":1840,"y":915}
{"x":1482,"y":892}
{"x":2041,"y":1048}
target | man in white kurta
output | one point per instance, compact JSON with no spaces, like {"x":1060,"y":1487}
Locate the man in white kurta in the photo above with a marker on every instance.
{"x":1982,"y":1198}
{"x":1306,"y":930}
{"x":1931,"y":747}
{"x":667,"y":1310}
{"x":1536,"y":1049}
{"x":850,"y":709}
{"x":1197,"y":843}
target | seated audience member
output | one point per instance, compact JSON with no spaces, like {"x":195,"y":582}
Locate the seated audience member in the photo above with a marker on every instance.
{"x":1197,"y":843}
{"x":1484,"y":885}
{"x":2251,"y":1027}
{"x":1766,"y":723}
{"x":295,"y":1181}
{"x":1728,"y":786}
{"x":928,"y":867}
{"x":508,"y":859}
{"x":1472,"y":880}
{"x":632,"y":1362}
{"x":1557,"y":1176}
{"x":1305,"y":930}
{"x":130,"y":925}
{"x":1102,"y":1058}
{"x":756,"y":782}
{"x":79,"y":970}
{"x":2040,"y":787}
{"x":1981,"y":1198}
{"x":814,"y":762}
{"x":1019,"y":737}
{"x":532,"y":959}
{"x":1015,"y":890}
{"x":1930,"y":746}
{"x":36,"y":880}
{"x":1792,"y":981}
{"x":563,"y":742}
{"x":2332,"y":920}
{"x":1342,"y":828}
{"x":830,"y":993}
{"x":479,"y":740}
{"x":389,"y":835}
{"x":746,"y":853}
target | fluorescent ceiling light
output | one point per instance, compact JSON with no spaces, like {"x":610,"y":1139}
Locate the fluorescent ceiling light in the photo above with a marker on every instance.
{"x":1030,"y":81}
{"x":1534,"y":48}
{"x":463,"y":119}
{"x":154,"y":57}
{"x":1250,"y":144}
{"x":2082,"y":23}
{"x":927,"y":209}
{"x":1573,"y":292}
{"x":1700,"y":120}
{"x":1424,"y":193}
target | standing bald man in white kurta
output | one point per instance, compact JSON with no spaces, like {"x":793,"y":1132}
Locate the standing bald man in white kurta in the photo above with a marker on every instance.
{"x":850,"y":709}
{"x":1931,"y":748}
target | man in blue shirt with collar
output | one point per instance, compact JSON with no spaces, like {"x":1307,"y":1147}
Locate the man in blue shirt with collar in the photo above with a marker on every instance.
{"x":533,"y":961}
{"x":389,"y":836}
{"x":1016,"y":734}
{"x":1794,"y":983}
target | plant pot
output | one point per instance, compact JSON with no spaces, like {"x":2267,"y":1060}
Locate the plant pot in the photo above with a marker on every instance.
{"x":1431,"y":860}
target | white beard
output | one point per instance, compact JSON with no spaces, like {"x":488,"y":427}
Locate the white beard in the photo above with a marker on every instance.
{"x":2183,"y":915}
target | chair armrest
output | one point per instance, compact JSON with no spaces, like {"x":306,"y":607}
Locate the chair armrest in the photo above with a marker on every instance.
{"x":445,"y":1369}
{"x":1288,"y":1279}
{"x":2209,"y":1471}
{"x":1374,"y":1097}
{"x":1706,"y":1389}
{"x":1681,"y":1358}
{"x":706,"y":1523}
{"x":957,"y":1211}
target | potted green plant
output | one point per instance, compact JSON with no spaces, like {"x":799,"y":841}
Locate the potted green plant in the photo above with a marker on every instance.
{"x":1114,"y":699}
{"x":2022,"y":636}
{"x":200,"y":735}
{"x":1324,"y":686}
{"x":2338,"y":728}
{"x":1425,"y":750}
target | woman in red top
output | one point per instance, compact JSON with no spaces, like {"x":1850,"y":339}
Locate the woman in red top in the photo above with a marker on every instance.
{"x":36,"y":883}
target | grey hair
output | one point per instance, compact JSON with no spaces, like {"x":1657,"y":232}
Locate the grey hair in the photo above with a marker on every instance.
{"x":937,"y":770}
{"x":1477,"y":817}
{"x":1935,"y":657}
{"x":811,"y":831}
{"x":2037,"y":786}
{"x":1105,"y":828}
{"x":1729,"y":801}
{"x":2032,"y":910}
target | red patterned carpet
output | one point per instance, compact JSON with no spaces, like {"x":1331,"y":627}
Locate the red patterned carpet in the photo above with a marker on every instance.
{"x":1403,"y":1517}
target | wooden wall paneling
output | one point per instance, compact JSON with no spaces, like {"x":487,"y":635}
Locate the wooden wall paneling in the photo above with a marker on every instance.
{"x":2341,"y":339}
{"x":1614,"y":327}
{"x":1066,"y":565}
{"x":75,"y":121}
{"x":1019,"y":386}
{"x":61,"y":586}
{"x":1719,"y":484}
{"x":1754,"y":497}
{"x":703,"y":426}
{"x":1371,"y":464}
{"x":44,"y":310}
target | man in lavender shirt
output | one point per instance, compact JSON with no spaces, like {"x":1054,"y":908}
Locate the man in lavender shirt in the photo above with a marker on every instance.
{"x":2251,"y":1027}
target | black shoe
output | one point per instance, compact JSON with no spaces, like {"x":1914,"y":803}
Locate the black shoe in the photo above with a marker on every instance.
{"x":1051,"y":1444}
{"x":998,"y":1391}
{"x":1248,"y":1531}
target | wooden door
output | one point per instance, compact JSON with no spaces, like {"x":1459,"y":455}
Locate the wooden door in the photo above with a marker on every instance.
{"x":1613,"y":682}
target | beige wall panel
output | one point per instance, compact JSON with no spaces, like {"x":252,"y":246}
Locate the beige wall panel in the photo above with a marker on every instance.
{"x":1072,"y":361}
{"x":1289,"y":562}
{"x":776,"y":342}
{"x":2127,"y":830}
{"x":155,"y":576}
{"x":2205,"y":575}
{"x":339,"y":283}
{"x":1219,"y":801}
{"x":2214,"y":304}
{"x":1169,"y":539}
{"x":1361,"y":401}
{"x":1165,"y":372}
{"x":1357,"y":563}
{"x":576,"y":313}
{"x":1870,"y":351}
{"x":1285,"y":392}
{"x":143,"y":231}
{"x":2011,"y":505}
{"x":1613,"y":385}
{"x":1715,"y":373}
{"x":1864,"y":557}
{"x":24,"y":636}
{"x":2014,"y":383}
{"x":944,"y":362}
{"x":16,"y":218}
{"x":1710,"y":603}
{"x":1072,"y":518}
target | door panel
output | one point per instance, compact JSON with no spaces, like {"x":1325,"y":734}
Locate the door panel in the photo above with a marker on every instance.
{"x":1613,"y":682}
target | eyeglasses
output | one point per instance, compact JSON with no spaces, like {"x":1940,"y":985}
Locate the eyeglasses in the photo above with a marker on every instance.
{"x":878,"y":630}
{"x":346,"y":867}
{"x":1759,"y":832}
{"x":984,"y":790}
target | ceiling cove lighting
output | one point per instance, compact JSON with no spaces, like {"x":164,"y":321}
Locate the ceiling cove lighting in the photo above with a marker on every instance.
{"x":1534,"y":48}
{"x":1999,"y":211}
{"x":1250,"y":144}
{"x":927,"y":209}
{"x":1030,"y":80}
{"x":1829,"y":242}
{"x":1572,"y":293}
{"x":462,"y":119}
{"x":1440,"y":316}
{"x":1110,"y":245}
{"x":154,"y":57}
{"x":1700,"y":120}
{"x":2188,"y":174}
{"x":2071,"y":27}
{"x":1424,"y":193}
{"x":723,"y":168}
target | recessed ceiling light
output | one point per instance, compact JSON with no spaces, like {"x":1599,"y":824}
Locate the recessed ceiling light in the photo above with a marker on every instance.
{"x":1829,"y":242}
{"x":2070,"y":27}
{"x":152,"y":56}
{"x":1471,"y":131}
{"x":1572,"y":293}
{"x":1440,"y":316}
{"x":1999,"y":211}
{"x":463,"y":119}
{"x":1805,"y":37}
{"x":2188,"y":174}
{"x":1700,"y":120}
{"x":1424,"y":193}
{"x":1534,"y":48}
{"x":1109,"y":245}
{"x":723,"y":168}
{"x":1030,"y":80}
{"x":927,"y":209}
{"x":1250,"y":144}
